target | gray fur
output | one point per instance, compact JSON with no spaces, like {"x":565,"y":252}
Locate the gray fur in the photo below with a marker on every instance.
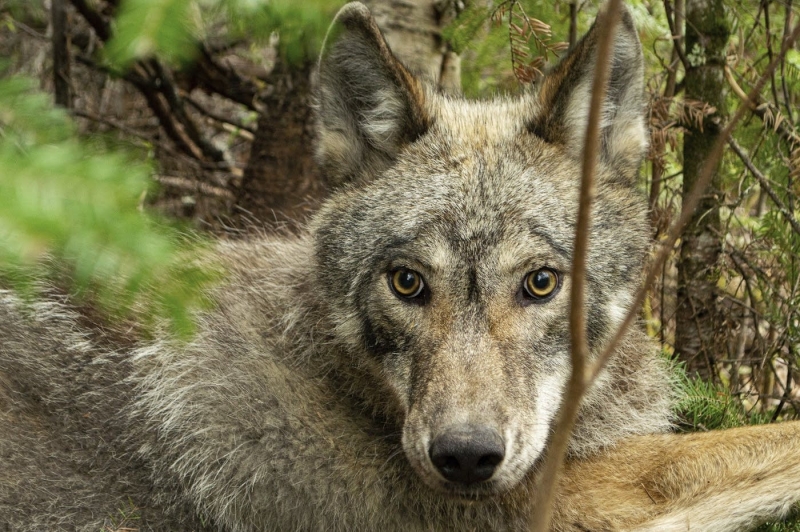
{"x":308,"y":397}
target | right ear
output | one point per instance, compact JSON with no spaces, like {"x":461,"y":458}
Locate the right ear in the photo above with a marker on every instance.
{"x":565,"y":95}
{"x":370,"y":105}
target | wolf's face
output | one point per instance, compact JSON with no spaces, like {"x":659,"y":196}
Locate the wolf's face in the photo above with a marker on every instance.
{"x":444,"y":256}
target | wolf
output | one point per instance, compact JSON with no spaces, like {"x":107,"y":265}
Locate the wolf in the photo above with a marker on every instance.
{"x":398,"y":365}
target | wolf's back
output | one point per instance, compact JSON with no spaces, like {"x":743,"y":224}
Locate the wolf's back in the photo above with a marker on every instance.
{"x":44,"y":363}
{"x":64,"y":449}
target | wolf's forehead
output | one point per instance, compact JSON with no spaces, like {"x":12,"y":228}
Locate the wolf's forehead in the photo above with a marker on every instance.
{"x":473,"y":224}
{"x":480,"y":122}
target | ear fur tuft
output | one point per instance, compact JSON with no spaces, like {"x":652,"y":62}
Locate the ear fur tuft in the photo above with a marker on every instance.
{"x":370,"y":105}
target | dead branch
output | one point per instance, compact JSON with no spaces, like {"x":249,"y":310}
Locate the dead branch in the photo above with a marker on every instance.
{"x":176,"y":105}
{"x":159,"y":90}
{"x":765,"y":186}
{"x":219,"y":118}
{"x":194,"y":186}
{"x":99,"y":24}
{"x":673,"y":17}
{"x":225,"y":81}
{"x":61,"y":59}
{"x":763,"y":110}
{"x":786,"y":28}
{"x":151,"y":141}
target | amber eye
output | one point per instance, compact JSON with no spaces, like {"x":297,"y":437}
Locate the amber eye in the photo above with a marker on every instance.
{"x":541,"y":284}
{"x":406,"y":283}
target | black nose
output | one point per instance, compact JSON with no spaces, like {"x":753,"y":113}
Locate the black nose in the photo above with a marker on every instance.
{"x":467,"y":454}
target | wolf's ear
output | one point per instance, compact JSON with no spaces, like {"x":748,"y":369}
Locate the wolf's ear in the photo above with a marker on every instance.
{"x":565,"y":97}
{"x":370,"y":105}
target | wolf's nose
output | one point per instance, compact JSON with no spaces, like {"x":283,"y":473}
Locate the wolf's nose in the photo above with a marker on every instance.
{"x":467,"y":454}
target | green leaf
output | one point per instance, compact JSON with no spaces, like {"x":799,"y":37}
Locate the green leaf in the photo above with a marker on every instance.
{"x":145,"y":28}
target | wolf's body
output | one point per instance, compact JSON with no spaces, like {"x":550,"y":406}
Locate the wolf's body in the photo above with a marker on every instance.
{"x":318,"y":392}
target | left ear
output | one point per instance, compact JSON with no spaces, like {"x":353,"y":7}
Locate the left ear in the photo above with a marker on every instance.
{"x":564,"y":99}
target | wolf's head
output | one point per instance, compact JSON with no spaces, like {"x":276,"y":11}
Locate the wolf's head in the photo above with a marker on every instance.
{"x":444,"y":252}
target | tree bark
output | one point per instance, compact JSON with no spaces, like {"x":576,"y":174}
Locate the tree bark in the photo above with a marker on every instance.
{"x":281,"y":182}
{"x":707,"y":32}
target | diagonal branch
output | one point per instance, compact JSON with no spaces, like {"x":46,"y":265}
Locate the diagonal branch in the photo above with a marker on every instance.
{"x":689,"y":205}
{"x":673,"y":17}
{"x":765,"y":186}
{"x":98,"y":23}
{"x":155,"y":83}
{"x":763,"y":110}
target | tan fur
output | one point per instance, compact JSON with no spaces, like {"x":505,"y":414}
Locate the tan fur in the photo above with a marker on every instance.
{"x":714,"y":481}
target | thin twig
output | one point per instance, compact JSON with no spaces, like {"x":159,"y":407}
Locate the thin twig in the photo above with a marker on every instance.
{"x":150,"y":140}
{"x":768,"y":33}
{"x":579,"y":350}
{"x":762,"y":110}
{"x":765,"y":186}
{"x":61,"y":54}
{"x":98,"y":23}
{"x":787,"y":24}
{"x":676,"y":34}
{"x":167,"y":88}
{"x":194,"y":186}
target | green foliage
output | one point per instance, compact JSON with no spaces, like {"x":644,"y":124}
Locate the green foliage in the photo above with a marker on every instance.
{"x":147,"y":27}
{"x":30,"y":10}
{"x":486,"y":67}
{"x":68,"y":211}
{"x":485,"y":44}
{"x":462,"y":32}
{"x":300,"y":26}
{"x":704,"y":405}
{"x":790,"y":524}
{"x":170,"y":29}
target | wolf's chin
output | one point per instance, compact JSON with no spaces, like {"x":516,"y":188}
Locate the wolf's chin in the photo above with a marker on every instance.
{"x":475,"y":493}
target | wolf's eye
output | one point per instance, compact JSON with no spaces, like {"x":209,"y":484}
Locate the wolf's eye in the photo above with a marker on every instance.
{"x":406,"y":283}
{"x":540,"y":284}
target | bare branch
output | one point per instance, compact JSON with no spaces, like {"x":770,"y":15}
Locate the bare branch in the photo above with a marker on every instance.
{"x":219,"y":118}
{"x":673,"y":18}
{"x":579,"y":349}
{"x":167,"y":88}
{"x":98,"y":23}
{"x":763,"y":110}
{"x":787,"y":24}
{"x":194,"y":186}
{"x":765,"y":186}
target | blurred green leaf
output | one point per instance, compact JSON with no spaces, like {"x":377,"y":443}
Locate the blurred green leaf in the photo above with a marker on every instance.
{"x":144,"y":28}
{"x":65,"y":208}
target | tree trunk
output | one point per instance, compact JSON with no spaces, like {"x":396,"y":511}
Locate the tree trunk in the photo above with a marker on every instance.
{"x":61,"y":66}
{"x":707,"y":32}
{"x":281,"y":181}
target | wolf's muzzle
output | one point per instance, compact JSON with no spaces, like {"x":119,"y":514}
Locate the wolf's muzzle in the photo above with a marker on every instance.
{"x":467,"y":454}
